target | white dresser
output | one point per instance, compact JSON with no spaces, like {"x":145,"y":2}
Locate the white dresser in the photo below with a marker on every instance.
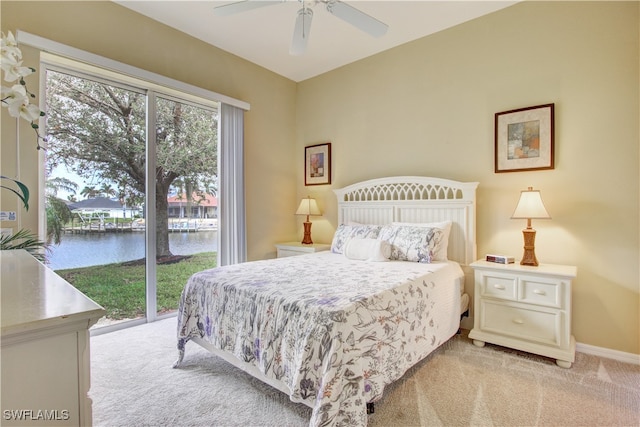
{"x":525,"y":308}
{"x":44,"y":345}
{"x":297,"y":248}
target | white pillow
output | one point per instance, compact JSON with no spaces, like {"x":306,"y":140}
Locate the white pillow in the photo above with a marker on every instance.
{"x":344,"y":233}
{"x":367,"y":250}
{"x":410,"y":243}
{"x":440,"y":253}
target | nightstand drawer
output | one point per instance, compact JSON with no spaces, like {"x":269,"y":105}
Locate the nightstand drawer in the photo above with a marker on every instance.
{"x":297,"y":248}
{"x":535,"y":291}
{"x":498,"y":286}
{"x":287,"y":252}
{"x":523,"y":323}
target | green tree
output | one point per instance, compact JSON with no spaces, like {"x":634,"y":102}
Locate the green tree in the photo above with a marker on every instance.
{"x":99,"y":130}
{"x":89,"y":192}
{"x":107,"y":190}
{"x":54,"y":185}
{"x":58,"y":212}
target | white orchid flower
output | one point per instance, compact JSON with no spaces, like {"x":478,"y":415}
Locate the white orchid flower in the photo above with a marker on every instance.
{"x":17,"y":98}
{"x":17,"y":102}
{"x":14,"y":95}
{"x":29,"y":112}
{"x":9,"y":47}
{"x":15,"y":92}
{"x":13,"y":70}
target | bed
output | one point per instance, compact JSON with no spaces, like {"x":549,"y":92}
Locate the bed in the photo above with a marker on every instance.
{"x":332,"y":329}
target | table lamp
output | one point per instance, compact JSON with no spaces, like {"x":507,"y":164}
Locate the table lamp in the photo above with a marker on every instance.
{"x":308,"y":207}
{"x":530,"y":206}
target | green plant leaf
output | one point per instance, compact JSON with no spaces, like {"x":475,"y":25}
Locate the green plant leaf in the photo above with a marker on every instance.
{"x":24,"y":239}
{"x":23,"y":193}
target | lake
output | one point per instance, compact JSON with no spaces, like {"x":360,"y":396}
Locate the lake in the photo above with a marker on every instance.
{"x":84,"y":250}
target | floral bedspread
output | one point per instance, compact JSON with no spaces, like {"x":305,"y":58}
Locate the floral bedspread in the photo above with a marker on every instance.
{"x":335,"y":331}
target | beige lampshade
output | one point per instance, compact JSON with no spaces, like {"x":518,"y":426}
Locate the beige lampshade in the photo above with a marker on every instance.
{"x":530,"y":206}
{"x":308,"y":206}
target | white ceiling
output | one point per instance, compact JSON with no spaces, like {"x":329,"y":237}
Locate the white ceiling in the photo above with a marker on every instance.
{"x":263,"y":35}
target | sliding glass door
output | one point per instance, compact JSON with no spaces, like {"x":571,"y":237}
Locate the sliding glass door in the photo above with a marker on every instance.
{"x":131,"y":177}
{"x":95,"y":181}
{"x":186,"y":188}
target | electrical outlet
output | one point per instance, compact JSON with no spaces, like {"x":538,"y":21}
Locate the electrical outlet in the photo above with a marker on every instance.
{"x":6,"y":232}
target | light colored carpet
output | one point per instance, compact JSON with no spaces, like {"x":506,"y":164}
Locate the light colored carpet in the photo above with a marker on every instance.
{"x":459,"y":384}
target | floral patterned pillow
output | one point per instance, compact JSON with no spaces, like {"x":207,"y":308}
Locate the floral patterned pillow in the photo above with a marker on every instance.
{"x":410,"y":243}
{"x":440,"y":254}
{"x":344,"y":233}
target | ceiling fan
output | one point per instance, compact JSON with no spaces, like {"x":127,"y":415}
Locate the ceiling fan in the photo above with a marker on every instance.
{"x":302,"y":28}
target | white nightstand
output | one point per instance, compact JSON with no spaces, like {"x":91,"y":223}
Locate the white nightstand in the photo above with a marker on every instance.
{"x":525,"y":308}
{"x":297,"y":248}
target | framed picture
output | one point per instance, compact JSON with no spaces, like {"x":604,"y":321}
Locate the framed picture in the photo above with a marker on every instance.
{"x":317,"y":164}
{"x":524,"y":139}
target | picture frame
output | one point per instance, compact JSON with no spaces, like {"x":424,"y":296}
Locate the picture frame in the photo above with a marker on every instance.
{"x":317,"y":164}
{"x":524,"y":139}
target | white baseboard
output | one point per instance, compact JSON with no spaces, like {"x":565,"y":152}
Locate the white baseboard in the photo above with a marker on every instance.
{"x":620,"y":356}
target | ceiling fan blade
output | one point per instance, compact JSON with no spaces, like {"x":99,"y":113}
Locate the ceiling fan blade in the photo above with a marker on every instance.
{"x":357,"y":18}
{"x":242,"y":6}
{"x":301,"y":31}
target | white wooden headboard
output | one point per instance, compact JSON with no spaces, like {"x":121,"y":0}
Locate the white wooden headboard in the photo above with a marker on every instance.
{"x":415,"y":199}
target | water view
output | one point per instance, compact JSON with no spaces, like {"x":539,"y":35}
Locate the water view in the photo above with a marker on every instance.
{"x":83,"y":250}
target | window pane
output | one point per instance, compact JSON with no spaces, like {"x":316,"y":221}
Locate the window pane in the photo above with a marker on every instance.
{"x":95,"y":168}
{"x":186,"y":196}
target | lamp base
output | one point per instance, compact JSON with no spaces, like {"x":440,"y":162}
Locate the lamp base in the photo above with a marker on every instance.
{"x":306,"y":239}
{"x":529,"y":255}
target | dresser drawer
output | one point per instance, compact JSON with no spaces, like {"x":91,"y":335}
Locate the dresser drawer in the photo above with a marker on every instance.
{"x":498,"y":286}
{"x":542,"y":326}
{"x":536,"y":291}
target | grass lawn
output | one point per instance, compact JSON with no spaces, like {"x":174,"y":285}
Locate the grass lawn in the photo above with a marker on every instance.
{"x":120,"y":288}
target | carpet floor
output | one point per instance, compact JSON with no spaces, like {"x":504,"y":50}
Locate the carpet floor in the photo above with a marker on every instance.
{"x":133,"y":384}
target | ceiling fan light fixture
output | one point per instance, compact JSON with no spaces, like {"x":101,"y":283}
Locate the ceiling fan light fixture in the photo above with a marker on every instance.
{"x":301,"y":31}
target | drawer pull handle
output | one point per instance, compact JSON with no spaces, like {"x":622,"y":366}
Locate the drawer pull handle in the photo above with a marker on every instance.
{"x":518,"y":321}
{"x":501,"y":287}
{"x":539,"y":292}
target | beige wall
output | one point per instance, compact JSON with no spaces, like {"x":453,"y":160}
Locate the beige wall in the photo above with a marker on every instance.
{"x":107,"y":29}
{"x":427,"y":108}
